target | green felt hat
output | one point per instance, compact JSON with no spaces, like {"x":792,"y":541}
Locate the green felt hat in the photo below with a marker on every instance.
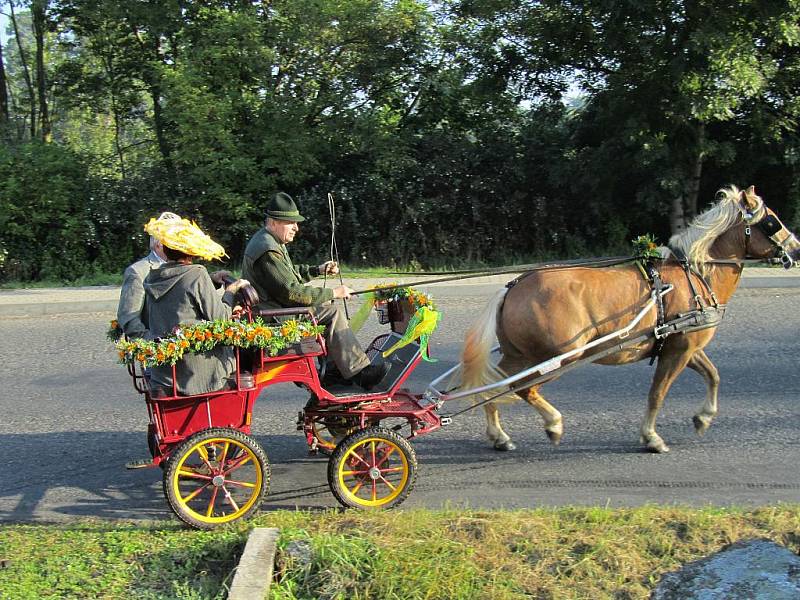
{"x":282,"y":207}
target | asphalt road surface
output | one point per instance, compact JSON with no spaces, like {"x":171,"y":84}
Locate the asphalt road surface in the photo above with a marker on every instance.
{"x":70,"y":419}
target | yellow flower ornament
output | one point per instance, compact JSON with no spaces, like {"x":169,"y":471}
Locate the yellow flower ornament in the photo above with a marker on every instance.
{"x":185,"y":236}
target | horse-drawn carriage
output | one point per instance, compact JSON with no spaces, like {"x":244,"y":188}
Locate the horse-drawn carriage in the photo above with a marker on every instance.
{"x":548,"y":321}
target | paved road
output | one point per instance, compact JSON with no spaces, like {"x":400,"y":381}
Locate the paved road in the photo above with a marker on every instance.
{"x":70,"y":420}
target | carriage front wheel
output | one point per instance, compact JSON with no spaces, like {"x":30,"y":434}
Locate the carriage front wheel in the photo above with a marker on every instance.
{"x":372,"y":468}
{"x":216,"y":476}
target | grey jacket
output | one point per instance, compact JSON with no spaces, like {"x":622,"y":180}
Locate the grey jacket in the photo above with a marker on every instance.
{"x":178,"y":294}
{"x":131,"y":316}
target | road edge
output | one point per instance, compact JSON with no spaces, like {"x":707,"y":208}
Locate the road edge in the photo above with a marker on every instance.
{"x":253,"y":574}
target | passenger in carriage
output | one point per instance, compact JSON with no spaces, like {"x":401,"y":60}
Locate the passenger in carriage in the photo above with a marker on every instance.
{"x":181,"y":293}
{"x":282,"y":284}
{"x":131,"y":315}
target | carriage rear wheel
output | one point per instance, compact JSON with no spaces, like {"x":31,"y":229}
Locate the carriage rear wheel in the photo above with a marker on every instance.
{"x":372,"y":468}
{"x":216,"y":476}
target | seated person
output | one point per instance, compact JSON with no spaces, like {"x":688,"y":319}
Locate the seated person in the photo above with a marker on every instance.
{"x":282,"y":284}
{"x":181,"y":293}
{"x":131,"y":314}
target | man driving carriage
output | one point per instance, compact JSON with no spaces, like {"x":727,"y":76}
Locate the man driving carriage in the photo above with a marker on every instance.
{"x":282,"y":284}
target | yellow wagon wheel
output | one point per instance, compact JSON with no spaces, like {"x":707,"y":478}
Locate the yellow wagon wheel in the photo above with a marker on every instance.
{"x":372,"y":468}
{"x":216,"y":476}
{"x":329,"y":431}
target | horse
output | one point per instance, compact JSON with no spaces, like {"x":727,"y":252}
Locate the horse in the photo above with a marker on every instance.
{"x":549,"y":312}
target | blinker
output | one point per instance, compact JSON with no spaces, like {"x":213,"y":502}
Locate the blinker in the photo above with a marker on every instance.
{"x":769,"y":225}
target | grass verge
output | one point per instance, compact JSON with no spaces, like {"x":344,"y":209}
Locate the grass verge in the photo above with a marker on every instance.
{"x":446,"y":554}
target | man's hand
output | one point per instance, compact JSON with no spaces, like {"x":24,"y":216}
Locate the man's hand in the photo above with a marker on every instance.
{"x":237,"y":285}
{"x":343,"y":292}
{"x":329,"y":268}
{"x":218,"y":277}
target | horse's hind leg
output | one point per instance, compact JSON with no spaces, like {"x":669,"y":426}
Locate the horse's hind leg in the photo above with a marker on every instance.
{"x":703,"y":365}
{"x":500,"y":439}
{"x":669,"y":367}
{"x":553,"y":425}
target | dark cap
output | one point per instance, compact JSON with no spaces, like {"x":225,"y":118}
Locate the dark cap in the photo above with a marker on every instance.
{"x":282,"y":207}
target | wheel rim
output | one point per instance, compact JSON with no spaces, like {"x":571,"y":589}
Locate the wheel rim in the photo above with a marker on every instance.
{"x":327,"y":439}
{"x":373,"y":472}
{"x":217,"y":480}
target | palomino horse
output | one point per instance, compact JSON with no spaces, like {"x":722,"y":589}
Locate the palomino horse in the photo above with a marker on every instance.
{"x":552,"y":311}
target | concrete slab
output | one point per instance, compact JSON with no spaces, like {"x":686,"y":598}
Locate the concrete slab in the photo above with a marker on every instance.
{"x":254,"y":572}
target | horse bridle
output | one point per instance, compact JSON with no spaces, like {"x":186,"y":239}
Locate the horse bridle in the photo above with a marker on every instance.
{"x":770,"y":226}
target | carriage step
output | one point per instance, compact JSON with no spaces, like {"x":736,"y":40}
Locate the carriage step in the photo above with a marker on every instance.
{"x":142,"y":463}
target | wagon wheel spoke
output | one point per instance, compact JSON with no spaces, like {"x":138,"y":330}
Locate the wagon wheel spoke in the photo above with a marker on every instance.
{"x":194,"y":494}
{"x":355,"y":472}
{"x":359,"y":485}
{"x":230,"y":499}
{"x":374,"y":490}
{"x":393,"y":470}
{"x":386,"y":456}
{"x":384,"y":480}
{"x":188,"y":472}
{"x":201,"y":450}
{"x":224,"y":454}
{"x":210,"y":509}
{"x":238,"y":462}
{"x":244,"y":484}
{"x":354,"y":454}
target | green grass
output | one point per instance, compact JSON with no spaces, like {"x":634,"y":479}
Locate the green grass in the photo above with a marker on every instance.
{"x":447,"y":554}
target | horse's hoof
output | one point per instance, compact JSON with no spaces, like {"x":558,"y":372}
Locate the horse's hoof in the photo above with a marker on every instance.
{"x":555,"y":437}
{"x":701,"y":424}
{"x":657,"y":448}
{"x":505,"y":446}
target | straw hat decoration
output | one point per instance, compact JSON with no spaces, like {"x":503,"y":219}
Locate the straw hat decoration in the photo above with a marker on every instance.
{"x":185,"y":236}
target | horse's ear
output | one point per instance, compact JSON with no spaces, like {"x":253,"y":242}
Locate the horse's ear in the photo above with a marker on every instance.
{"x":749,"y":199}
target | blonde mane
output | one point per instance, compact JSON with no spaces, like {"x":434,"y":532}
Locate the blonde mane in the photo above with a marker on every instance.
{"x":696,"y":241}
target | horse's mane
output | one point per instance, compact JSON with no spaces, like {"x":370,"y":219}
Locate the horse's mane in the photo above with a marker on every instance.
{"x":696,"y":240}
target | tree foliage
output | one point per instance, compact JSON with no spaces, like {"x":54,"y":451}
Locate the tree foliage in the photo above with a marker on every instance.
{"x":452,"y":132}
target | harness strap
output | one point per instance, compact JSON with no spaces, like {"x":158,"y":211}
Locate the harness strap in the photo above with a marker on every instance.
{"x":653,"y":277}
{"x":683,"y":260}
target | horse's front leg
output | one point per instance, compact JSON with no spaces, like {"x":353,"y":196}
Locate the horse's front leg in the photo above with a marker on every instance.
{"x":670,"y":364}
{"x":703,"y":365}
{"x":500,"y":439}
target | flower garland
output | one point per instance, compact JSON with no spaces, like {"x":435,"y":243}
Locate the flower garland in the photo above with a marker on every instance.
{"x":205,"y":335}
{"x":415,"y":297}
{"x":114,"y":332}
{"x":421,"y":325}
{"x":645,"y":247}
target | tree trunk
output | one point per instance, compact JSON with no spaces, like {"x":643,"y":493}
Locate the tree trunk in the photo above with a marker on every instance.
{"x":39,"y":19}
{"x":677,"y":217}
{"x":4,"y":115}
{"x":693,"y":187}
{"x":25,"y":71}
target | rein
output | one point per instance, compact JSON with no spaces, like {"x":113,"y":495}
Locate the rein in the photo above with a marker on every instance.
{"x":526,"y":269}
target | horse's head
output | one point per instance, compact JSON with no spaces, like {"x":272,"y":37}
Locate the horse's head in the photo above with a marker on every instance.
{"x":765,"y":235}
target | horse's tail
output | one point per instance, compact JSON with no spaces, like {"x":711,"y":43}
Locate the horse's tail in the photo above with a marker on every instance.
{"x":476,"y":368}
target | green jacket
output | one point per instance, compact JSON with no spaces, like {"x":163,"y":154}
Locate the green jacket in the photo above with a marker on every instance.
{"x":279,"y":283}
